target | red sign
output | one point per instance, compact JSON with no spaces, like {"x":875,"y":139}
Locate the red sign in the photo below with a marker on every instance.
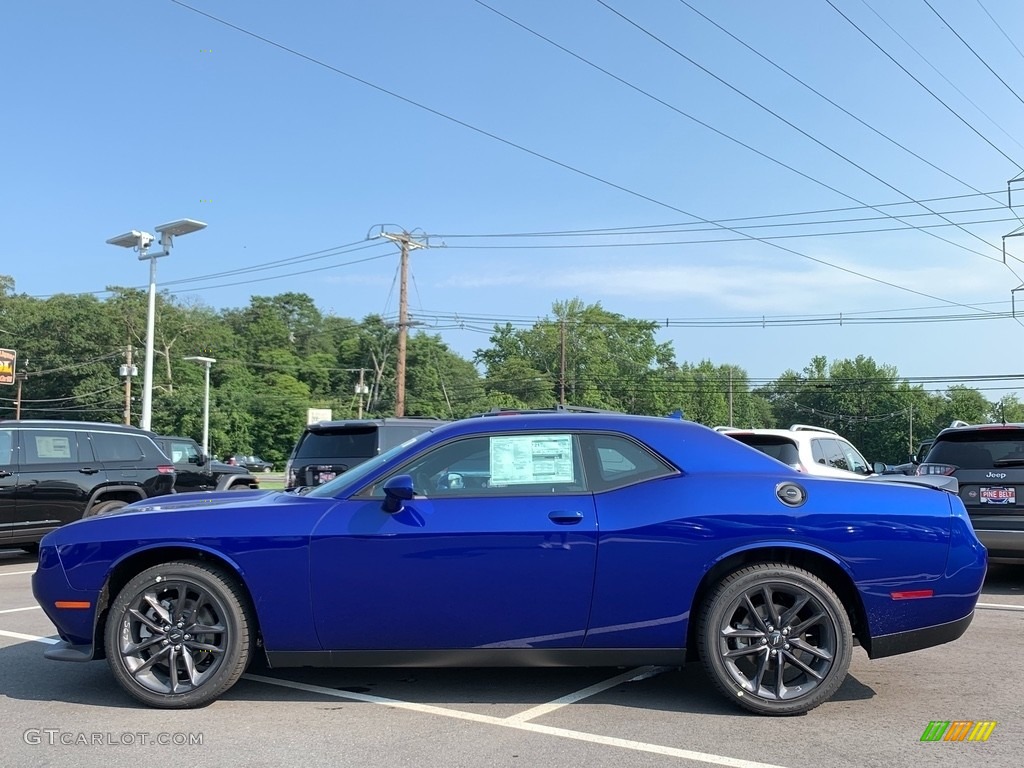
{"x":8,"y":358}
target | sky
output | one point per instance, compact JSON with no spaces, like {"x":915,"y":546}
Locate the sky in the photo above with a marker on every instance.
{"x":769,"y":181}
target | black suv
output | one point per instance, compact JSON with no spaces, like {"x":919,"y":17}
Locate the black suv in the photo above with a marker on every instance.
{"x":327,"y":448}
{"x":988,"y":462}
{"x":53,"y":472}
{"x":198,"y":472}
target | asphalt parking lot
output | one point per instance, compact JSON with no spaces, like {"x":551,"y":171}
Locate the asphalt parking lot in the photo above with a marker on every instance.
{"x":55,"y":713}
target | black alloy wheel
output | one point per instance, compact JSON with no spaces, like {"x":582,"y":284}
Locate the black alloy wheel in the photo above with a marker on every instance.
{"x":179,"y":635}
{"x":775,"y":639}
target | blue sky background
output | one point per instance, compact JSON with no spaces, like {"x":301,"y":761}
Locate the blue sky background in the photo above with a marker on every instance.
{"x":126,"y":114}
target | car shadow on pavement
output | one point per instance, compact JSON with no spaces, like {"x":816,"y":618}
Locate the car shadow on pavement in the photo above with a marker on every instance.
{"x":29,"y":676}
{"x":1003,"y":579}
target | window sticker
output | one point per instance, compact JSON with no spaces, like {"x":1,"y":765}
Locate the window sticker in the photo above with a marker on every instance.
{"x":522,"y":459}
{"x":53,"y":447}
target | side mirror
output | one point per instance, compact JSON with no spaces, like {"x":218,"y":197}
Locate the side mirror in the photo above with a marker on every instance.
{"x":198,"y":459}
{"x":397,"y":490}
{"x":880,"y":468}
{"x":451,"y":480}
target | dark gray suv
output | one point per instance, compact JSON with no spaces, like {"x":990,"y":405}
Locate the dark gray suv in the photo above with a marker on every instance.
{"x":988,"y":462}
{"x":328,"y":448}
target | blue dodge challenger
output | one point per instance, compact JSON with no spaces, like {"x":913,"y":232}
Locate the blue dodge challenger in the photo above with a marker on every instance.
{"x":541,"y":539}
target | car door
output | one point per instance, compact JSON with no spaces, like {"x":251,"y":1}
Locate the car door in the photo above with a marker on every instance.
{"x":55,"y":479}
{"x":190,"y":474}
{"x":8,"y":481}
{"x":497,"y":550}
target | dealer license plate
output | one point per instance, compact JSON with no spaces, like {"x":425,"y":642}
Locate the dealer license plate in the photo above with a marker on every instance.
{"x":998,"y":495}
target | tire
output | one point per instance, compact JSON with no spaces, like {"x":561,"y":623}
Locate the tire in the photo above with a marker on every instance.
{"x":775,"y":639}
{"x":150,"y":622}
{"x":30,"y":549}
{"x":267,"y":470}
{"x":240,"y":487}
{"x":105,"y":506}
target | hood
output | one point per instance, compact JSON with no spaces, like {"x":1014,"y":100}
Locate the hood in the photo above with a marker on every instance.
{"x":178,"y":501}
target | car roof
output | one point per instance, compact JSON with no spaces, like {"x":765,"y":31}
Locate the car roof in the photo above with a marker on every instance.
{"x":326,"y":426}
{"x":967,"y":428}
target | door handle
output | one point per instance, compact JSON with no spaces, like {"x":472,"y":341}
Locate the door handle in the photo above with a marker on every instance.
{"x":88,"y":471}
{"x":565,"y":518}
{"x":5,"y":473}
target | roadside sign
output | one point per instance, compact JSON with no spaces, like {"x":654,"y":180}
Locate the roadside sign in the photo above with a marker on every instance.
{"x":8,"y":359}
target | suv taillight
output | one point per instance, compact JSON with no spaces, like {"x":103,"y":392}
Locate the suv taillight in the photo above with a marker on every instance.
{"x":935,"y":469}
{"x":165,"y":469}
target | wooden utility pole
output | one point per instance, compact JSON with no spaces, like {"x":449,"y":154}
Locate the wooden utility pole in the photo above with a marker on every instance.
{"x":128,"y":385}
{"x":406,"y":243}
{"x":19,"y":377}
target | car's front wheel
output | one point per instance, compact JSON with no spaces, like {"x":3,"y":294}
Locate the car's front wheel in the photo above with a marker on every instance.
{"x":179,"y":635}
{"x":775,"y":639}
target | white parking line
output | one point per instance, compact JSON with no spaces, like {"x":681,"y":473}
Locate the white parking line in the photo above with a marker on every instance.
{"x":572,"y":698}
{"x":16,"y":573}
{"x":17,"y":610}
{"x":34,"y":638}
{"x":610,"y":741}
{"x":1001,"y":607}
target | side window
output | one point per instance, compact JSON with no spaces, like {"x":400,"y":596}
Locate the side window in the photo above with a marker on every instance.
{"x":854,"y":461}
{"x":620,"y":462}
{"x":497,"y":465}
{"x":45,"y":446}
{"x":7,"y":443}
{"x":113,"y":446}
{"x":834,"y":456}
{"x":818,"y":452}
{"x":182,"y":452}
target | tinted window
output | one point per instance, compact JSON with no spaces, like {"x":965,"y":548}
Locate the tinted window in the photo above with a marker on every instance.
{"x":112,"y":446}
{"x":776,"y":446}
{"x":854,"y":461}
{"x":44,"y":446}
{"x":832,"y":454}
{"x":6,"y":447}
{"x":620,"y":462}
{"x":353,"y":442}
{"x":983,"y":449}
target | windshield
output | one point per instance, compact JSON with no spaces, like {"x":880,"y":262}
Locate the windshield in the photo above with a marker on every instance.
{"x":355,"y":476}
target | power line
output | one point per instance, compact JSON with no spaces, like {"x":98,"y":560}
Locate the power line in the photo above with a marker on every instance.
{"x":929,"y":90}
{"x":655,"y":228}
{"x":969,"y":48}
{"x":547,"y":158}
{"x":1003,"y":31}
{"x":802,"y":132}
{"x":818,"y":93}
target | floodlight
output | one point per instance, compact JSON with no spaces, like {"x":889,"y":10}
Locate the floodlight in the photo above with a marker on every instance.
{"x":133,"y":239}
{"x":180,"y":227}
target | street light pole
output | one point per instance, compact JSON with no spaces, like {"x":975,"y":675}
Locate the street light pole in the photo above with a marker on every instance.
{"x":207,"y":361}
{"x":140,"y":241}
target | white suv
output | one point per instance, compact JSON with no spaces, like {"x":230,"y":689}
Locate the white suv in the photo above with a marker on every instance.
{"x":814,"y":450}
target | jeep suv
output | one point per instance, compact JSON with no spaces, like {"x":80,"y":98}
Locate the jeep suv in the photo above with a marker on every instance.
{"x":198,"y":472}
{"x":325,"y":449}
{"x":988,"y":462}
{"x":53,"y":472}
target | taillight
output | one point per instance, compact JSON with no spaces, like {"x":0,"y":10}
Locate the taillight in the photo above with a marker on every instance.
{"x":289,"y":475}
{"x":935,"y":469}
{"x":165,"y":469}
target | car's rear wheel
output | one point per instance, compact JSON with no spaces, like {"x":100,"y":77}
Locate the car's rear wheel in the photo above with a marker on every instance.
{"x":179,"y":635}
{"x":266,"y":470}
{"x":775,"y":639}
{"x":105,"y":506}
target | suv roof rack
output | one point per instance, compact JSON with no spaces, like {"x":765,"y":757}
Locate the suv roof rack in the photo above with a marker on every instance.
{"x":810,"y":428}
{"x":957,"y":423}
{"x":552,"y":409}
